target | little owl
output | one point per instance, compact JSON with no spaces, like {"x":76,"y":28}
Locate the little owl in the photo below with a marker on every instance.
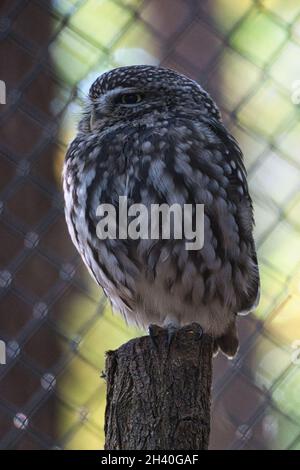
{"x":156,"y":137}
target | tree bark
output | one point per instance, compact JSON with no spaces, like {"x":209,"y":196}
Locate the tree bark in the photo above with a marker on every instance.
{"x":159,"y":393}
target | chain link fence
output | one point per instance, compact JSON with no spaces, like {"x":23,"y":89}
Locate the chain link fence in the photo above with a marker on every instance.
{"x":55,"y":326}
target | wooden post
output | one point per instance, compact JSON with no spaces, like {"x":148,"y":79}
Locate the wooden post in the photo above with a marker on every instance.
{"x":159,"y":394}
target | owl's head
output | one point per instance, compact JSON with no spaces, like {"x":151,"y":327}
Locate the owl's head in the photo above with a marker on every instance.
{"x":133,"y":92}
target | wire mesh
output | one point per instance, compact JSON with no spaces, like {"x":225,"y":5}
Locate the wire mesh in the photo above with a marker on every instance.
{"x":54,"y":321}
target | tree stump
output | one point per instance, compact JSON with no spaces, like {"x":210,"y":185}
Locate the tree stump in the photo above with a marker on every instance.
{"x":159,"y":392}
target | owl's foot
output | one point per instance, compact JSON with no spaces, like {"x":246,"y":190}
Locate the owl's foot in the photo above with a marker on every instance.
{"x":169,"y":331}
{"x":193,"y":328}
{"x":173,"y":329}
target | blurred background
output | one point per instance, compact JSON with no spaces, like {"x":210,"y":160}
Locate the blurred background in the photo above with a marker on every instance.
{"x":54,"y":320}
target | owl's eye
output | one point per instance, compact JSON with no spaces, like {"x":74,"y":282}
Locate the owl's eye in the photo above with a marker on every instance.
{"x":130,"y":98}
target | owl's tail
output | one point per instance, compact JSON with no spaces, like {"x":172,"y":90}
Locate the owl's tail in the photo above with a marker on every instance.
{"x":228,"y":343}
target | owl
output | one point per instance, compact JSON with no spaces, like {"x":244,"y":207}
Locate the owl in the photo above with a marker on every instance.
{"x":156,"y":137}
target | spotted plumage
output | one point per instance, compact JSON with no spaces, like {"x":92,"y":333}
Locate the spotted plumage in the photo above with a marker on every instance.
{"x":155,"y":136}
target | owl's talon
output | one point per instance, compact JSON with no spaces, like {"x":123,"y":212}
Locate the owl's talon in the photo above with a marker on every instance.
{"x":194,"y":328}
{"x":171,"y":333}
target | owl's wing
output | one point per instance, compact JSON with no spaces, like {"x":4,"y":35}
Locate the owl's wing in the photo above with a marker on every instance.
{"x":238,"y":193}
